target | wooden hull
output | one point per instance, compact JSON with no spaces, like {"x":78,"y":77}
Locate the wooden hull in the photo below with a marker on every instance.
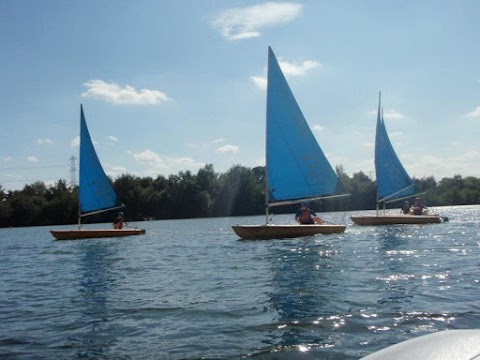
{"x":94,"y":233}
{"x":266,"y":232}
{"x":398,"y":219}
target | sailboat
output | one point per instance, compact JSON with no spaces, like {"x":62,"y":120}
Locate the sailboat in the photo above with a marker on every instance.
{"x":393,"y":183}
{"x":96,"y":194}
{"x":296,"y":168}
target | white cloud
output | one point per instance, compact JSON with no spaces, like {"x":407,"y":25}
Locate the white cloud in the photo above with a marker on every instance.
{"x":115,"y":170}
{"x":44,"y":141}
{"x":7,"y":158}
{"x":216,"y":141}
{"x":208,"y":144}
{"x":32,"y":158}
{"x":113,"y":93}
{"x":148,"y":157}
{"x":75,"y":142}
{"x":298,"y":70}
{"x":390,"y":114}
{"x":368,"y":145}
{"x":395,"y":134}
{"x":49,"y":183}
{"x":473,"y":155}
{"x":246,"y":23}
{"x":160,"y":164}
{"x":440,"y":166}
{"x":474,"y":113}
{"x":259,"y":81}
{"x":289,"y":70}
{"x":112,"y":138}
{"x":182,"y":164}
{"x":260,"y":161}
{"x":318,"y":128}
{"x":228,"y":149}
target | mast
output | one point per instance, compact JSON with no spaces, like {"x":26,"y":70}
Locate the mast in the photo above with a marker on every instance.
{"x":80,"y":169}
{"x":79,"y":216}
{"x":267,"y":188}
{"x":378,"y":122}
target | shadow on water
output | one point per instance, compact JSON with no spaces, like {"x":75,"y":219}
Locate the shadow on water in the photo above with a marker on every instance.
{"x":391,"y":237}
{"x":397,"y":258}
{"x":304,"y":272}
{"x":95,"y":336}
{"x":407,"y":281}
{"x":334,"y":296}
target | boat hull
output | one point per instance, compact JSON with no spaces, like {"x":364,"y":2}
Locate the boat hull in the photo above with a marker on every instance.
{"x":267,"y":232}
{"x":398,"y":219}
{"x":94,"y":233}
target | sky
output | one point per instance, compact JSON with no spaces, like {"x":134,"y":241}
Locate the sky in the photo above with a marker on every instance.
{"x":172,"y":85}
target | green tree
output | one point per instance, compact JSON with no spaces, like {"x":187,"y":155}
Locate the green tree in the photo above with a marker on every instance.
{"x":62,"y":204}
{"x":363,"y":192}
{"x":238,"y":193}
{"x":26,"y":210}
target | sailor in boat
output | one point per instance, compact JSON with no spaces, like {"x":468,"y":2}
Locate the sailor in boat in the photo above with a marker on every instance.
{"x":119,"y":221}
{"x":405,"y":208}
{"x":418,"y":208}
{"x":306,"y":216}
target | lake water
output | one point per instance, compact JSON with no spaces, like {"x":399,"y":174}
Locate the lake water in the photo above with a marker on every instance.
{"x":189,"y":289}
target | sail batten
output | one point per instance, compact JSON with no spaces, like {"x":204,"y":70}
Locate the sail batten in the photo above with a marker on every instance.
{"x":296,"y":165}
{"x":393,"y":181}
{"x":96,"y":193}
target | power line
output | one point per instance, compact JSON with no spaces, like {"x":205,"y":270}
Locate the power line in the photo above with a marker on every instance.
{"x":31,"y":167}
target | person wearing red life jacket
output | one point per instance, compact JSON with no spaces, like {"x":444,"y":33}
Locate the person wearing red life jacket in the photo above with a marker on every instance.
{"x":306,"y":216}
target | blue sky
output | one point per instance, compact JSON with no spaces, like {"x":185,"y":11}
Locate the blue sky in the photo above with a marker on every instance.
{"x":172,"y":85}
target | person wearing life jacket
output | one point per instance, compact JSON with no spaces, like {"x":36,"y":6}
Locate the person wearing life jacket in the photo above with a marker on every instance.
{"x":119,"y":221}
{"x":306,"y":216}
{"x":418,"y":208}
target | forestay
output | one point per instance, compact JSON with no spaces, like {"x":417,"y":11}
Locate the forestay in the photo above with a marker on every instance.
{"x":96,"y":192}
{"x":393,"y":182}
{"x":296,"y":165}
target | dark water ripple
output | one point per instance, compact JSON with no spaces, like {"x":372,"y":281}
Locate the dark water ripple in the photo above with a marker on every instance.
{"x":189,"y":289}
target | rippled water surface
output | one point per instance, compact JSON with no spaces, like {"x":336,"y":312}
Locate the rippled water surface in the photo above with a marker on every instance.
{"x":190,"y":289}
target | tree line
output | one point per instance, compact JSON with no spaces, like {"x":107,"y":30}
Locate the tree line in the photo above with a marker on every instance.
{"x":237,"y":192}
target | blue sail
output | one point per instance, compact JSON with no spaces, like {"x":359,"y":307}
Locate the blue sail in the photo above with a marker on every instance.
{"x":95,"y":191}
{"x":393,"y":182}
{"x":296,"y":166}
